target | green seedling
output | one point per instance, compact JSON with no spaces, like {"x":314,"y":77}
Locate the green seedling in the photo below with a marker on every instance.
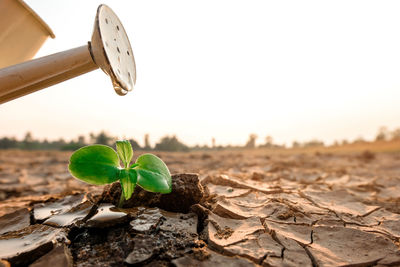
{"x":99,"y":165}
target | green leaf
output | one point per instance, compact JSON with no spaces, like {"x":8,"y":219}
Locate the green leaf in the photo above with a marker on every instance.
{"x":125,"y":152}
{"x":96,"y":164}
{"x":153,"y":174}
{"x":128,"y":180}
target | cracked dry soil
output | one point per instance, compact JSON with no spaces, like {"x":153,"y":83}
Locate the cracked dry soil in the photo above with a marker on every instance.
{"x":240,"y":209}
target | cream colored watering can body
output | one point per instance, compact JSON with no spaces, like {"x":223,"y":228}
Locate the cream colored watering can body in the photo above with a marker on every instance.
{"x":109,"y":49}
{"x":22,"y":32}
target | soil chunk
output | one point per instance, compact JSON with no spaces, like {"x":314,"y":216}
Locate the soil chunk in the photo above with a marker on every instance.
{"x":255,"y":247}
{"x":224,"y":232}
{"x":343,"y":246}
{"x":14,"y":221}
{"x":214,"y":259}
{"x":70,"y":217}
{"x":146,"y":221}
{"x":186,"y":191}
{"x":42,"y":211}
{"x":143,"y":251}
{"x":179,"y":223}
{"x":292,"y":254}
{"x":25,"y":246}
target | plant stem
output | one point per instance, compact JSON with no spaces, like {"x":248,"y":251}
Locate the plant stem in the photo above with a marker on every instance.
{"x":121,"y":199}
{"x":134,"y":165}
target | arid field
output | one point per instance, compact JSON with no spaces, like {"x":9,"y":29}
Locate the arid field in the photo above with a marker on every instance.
{"x":306,"y":207}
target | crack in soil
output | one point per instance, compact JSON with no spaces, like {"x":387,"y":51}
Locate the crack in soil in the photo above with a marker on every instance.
{"x":312,"y":237}
{"x":309,"y":254}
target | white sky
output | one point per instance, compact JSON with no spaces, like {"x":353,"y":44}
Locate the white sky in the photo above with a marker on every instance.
{"x":295,"y":70}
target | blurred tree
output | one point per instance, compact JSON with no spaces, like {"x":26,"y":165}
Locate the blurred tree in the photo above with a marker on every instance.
{"x":336,"y":143}
{"x":28,"y":142}
{"x":295,"y":144}
{"x":81,"y":139}
{"x":395,"y":135}
{"x":269,"y":143}
{"x":383,"y":134}
{"x":102,"y":138}
{"x":171,"y":144}
{"x":268,"y":140}
{"x":73,"y":145}
{"x":314,"y":143}
{"x":359,"y":140}
{"x":251,"y":143}
{"x":6,"y":143}
{"x":146,"y":142}
{"x":135,"y":145}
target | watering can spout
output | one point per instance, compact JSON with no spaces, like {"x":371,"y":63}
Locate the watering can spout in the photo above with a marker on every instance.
{"x":109,"y":49}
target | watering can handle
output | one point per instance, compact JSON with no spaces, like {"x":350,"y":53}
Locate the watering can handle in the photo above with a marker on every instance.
{"x":27,"y":77}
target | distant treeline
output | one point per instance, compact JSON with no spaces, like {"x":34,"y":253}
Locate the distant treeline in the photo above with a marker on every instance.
{"x":167,"y":143}
{"x":172,"y":143}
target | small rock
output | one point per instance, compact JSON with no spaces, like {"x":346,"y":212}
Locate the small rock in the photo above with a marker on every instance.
{"x":138,"y":256}
{"x":58,"y":257}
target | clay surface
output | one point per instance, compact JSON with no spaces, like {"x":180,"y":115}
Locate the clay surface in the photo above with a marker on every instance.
{"x":226,"y":209}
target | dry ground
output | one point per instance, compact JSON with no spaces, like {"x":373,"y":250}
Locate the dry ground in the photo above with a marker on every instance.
{"x":315,"y":207}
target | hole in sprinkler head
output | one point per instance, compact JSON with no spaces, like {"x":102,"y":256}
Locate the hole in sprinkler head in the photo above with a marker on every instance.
{"x":106,"y":44}
{"x":118,"y":50}
{"x":117,"y":27}
{"x":106,"y":20}
{"x":129,"y":74}
{"x":119,"y":59}
{"x":119,"y":71}
{"x":127,"y":52}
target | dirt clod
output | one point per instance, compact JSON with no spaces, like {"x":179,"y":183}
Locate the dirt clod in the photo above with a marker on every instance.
{"x":186,"y":191}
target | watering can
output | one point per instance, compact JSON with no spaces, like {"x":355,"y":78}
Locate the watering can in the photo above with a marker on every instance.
{"x":108,"y":49}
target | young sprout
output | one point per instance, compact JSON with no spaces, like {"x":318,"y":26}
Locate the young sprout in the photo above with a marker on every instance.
{"x":99,"y":164}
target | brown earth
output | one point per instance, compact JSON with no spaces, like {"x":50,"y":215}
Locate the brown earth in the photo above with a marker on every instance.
{"x":259,"y":208}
